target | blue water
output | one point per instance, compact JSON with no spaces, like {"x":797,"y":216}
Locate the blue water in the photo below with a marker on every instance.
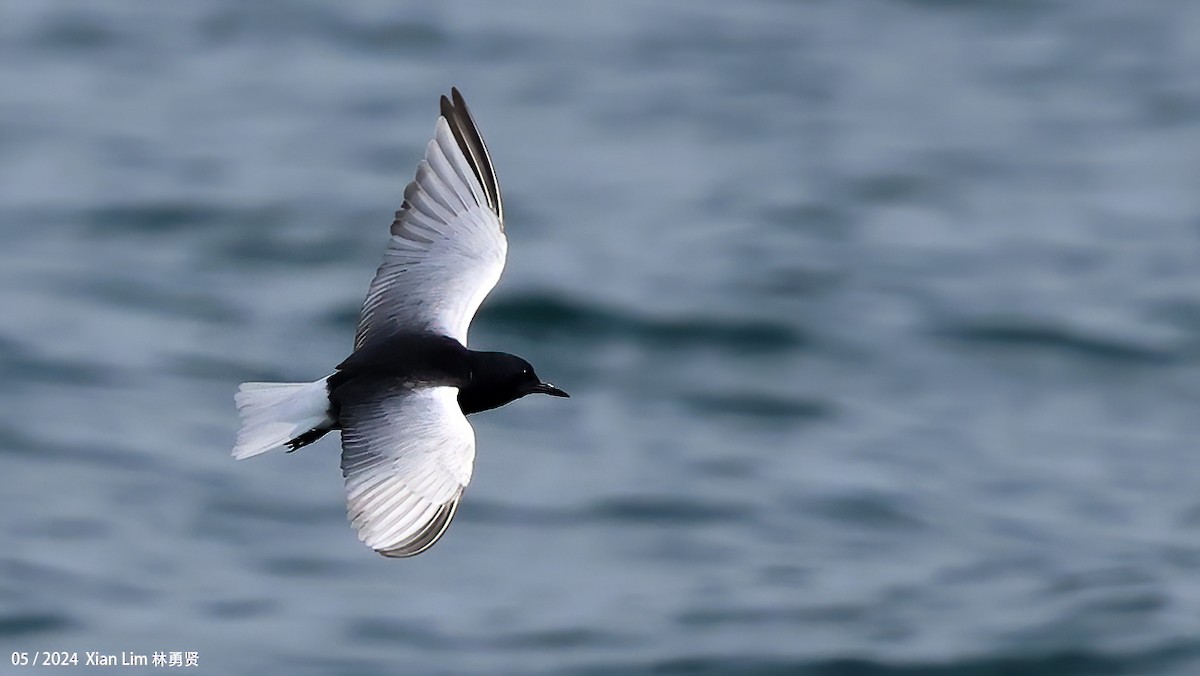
{"x":881,"y":321}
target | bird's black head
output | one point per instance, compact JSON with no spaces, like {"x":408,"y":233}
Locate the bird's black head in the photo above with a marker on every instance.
{"x":498,"y":378}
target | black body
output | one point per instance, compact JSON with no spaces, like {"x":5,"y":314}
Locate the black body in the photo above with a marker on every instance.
{"x":485,"y":380}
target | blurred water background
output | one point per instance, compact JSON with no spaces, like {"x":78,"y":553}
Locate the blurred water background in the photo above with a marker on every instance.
{"x":881,"y":318}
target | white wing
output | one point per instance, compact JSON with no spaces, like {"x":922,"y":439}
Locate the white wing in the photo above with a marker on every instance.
{"x":447,"y":247}
{"x":406,"y":457}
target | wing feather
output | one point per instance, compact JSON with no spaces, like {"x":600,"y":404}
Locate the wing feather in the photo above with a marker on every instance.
{"x":430,"y":534}
{"x":407,"y":455}
{"x":472,"y":147}
{"x":447,"y":248}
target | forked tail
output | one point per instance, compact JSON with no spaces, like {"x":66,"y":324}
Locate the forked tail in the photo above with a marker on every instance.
{"x":275,"y":413}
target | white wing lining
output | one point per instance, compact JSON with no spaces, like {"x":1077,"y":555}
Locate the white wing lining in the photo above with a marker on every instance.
{"x":447,"y":248}
{"x":407,"y":456}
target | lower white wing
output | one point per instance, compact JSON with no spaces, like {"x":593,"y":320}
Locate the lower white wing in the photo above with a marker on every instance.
{"x":407,"y":455}
{"x":447,"y":248}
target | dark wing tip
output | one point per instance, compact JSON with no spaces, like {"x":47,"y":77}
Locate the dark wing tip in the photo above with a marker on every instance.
{"x":470,"y":142}
{"x":429,"y":535}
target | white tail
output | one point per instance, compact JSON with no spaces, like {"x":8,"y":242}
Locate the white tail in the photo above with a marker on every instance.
{"x":275,"y":413}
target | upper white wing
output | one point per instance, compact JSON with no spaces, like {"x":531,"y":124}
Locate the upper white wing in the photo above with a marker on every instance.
{"x":407,"y":455}
{"x":447,"y":248}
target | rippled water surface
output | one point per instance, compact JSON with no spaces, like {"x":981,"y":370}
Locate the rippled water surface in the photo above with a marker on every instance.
{"x":881,"y":321}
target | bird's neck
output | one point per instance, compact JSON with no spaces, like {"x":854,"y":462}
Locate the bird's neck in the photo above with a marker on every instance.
{"x":485,"y":389}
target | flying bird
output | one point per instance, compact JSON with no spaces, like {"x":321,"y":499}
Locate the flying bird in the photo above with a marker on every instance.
{"x":401,"y":398}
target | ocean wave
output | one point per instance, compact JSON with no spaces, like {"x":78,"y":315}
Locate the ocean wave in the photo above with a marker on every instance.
{"x":28,"y":624}
{"x":645,"y":509}
{"x":1058,"y":338}
{"x":21,"y":363}
{"x":1065,"y":662}
{"x":759,"y":406}
{"x":588,"y":322}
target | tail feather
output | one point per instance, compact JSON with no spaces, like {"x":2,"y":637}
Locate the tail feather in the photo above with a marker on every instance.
{"x":275,"y":413}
